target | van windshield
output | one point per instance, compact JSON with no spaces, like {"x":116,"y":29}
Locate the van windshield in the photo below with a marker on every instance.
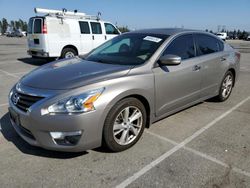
{"x":127,"y":49}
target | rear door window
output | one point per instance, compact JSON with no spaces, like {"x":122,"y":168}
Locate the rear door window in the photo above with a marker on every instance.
{"x":182,"y":46}
{"x":84,"y":27}
{"x":30,"y":26}
{"x":38,"y":26}
{"x":96,"y":28}
{"x":207,"y":44}
{"x":110,"y":29}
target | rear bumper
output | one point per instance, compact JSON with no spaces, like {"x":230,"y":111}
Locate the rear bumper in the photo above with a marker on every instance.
{"x":38,"y":53}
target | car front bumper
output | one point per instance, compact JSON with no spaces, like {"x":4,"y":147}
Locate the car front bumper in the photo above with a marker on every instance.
{"x":36,"y":129}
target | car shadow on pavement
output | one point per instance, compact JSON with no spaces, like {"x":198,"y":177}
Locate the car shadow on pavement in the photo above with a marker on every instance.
{"x":10,"y":134}
{"x":35,"y":61}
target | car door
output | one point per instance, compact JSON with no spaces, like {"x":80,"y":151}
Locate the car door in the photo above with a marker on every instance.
{"x":178,"y":85}
{"x":211,"y":55}
{"x":97,"y":34}
{"x":86,"y":41}
{"x":111,"y":31}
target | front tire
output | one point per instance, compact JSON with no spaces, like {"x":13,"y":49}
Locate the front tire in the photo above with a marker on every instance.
{"x":124,"y":124}
{"x":226,"y":87}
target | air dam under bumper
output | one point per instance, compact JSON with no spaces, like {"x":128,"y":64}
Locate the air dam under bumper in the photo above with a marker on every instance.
{"x":36,"y":130}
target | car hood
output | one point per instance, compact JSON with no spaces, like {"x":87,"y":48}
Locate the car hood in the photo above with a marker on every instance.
{"x":72,"y":73}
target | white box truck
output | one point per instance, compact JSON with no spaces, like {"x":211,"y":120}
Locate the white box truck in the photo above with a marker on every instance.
{"x":66,"y":34}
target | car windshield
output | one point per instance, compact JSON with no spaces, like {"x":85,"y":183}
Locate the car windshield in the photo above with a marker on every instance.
{"x":127,"y":49}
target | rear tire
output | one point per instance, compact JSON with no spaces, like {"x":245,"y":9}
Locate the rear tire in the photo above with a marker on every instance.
{"x":124,"y":124}
{"x":68,"y":53}
{"x":226,"y":87}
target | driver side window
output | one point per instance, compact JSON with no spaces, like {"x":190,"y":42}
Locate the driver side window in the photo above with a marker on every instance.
{"x":182,"y":46}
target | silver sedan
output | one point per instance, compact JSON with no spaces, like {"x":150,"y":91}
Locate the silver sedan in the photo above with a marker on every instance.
{"x":108,"y":97}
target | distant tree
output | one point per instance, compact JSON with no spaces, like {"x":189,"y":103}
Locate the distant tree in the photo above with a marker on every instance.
{"x":206,"y":30}
{"x":24,"y":26}
{"x":234,"y":34}
{"x":12,"y":24}
{"x":211,"y":32}
{"x":1,"y":25}
{"x":243,"y":35}
{"x":4,"y":25}
{"x":124,"y":29}
{"x":17,"y":25}
{"x":238,"y":33}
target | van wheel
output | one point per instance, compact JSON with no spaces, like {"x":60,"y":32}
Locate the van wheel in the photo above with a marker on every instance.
{"x":124,"y":124}
{"x":68,"y":53}
{"x":226,"y":87}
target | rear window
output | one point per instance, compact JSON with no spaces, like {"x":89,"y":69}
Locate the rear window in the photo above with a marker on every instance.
{"x":84,"y":26}
{"x":30,"y":26}
{"x":38,"y":26}
{"x":96,"y":28}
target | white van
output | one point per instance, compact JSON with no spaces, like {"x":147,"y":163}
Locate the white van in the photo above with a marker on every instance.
{"x":66,"y":34}
{"x":222,"y":36}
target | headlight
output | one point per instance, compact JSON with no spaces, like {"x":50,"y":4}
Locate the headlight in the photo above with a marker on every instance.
{"x":77,"y":104}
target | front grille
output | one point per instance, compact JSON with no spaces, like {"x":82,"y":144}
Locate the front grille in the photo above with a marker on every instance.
{"x":24,"y":101}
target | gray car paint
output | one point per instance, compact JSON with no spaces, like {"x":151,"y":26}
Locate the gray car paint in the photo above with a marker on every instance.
{"x":166,"y":90}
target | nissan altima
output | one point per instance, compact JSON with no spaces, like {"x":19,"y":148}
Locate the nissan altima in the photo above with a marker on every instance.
{"x":108,"y":97}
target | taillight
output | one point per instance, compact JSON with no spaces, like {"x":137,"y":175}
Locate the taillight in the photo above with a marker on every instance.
{"x":44,"y":29}
{"x":237,"y":55}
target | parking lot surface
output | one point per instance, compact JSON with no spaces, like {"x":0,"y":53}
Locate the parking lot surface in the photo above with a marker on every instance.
{"x":207,"y":145}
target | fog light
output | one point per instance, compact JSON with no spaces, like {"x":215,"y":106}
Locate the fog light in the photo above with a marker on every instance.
{"x":66,"y":138}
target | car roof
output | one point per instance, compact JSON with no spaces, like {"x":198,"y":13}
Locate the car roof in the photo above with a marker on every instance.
{"x":164,"y":31}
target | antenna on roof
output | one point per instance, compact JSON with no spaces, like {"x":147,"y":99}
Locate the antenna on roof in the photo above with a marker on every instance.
{"x":99,"y":14}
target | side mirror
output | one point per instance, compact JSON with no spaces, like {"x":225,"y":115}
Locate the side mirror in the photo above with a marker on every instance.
{"x":170,"y":60}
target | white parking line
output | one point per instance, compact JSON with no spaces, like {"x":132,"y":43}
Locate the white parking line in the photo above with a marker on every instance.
{"x":179,"y":146}
{"x":203,"y":155}
{"x":4,"y":104}
{"x":9,"y":74}
{"x":17,"y":73}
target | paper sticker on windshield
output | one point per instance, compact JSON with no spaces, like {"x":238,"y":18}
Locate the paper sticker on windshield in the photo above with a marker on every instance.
{"x":152,"y":39}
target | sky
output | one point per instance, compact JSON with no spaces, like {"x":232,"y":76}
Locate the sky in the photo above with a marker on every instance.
{"x":139,"y":14}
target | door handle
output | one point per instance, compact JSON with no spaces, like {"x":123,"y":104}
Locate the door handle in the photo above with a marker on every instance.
{"x":93,"y":37}
{"x":196,"y":68}
{"x":223,"y":59}
{"x":105,"y":37}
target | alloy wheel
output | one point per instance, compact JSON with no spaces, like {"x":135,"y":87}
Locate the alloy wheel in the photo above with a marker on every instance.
{"x":127,"y":125}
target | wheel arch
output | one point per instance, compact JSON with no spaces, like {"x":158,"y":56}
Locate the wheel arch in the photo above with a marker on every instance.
{"x":72,"y":47}
{"x":139,"y":96}
{"x":232,"y":70}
